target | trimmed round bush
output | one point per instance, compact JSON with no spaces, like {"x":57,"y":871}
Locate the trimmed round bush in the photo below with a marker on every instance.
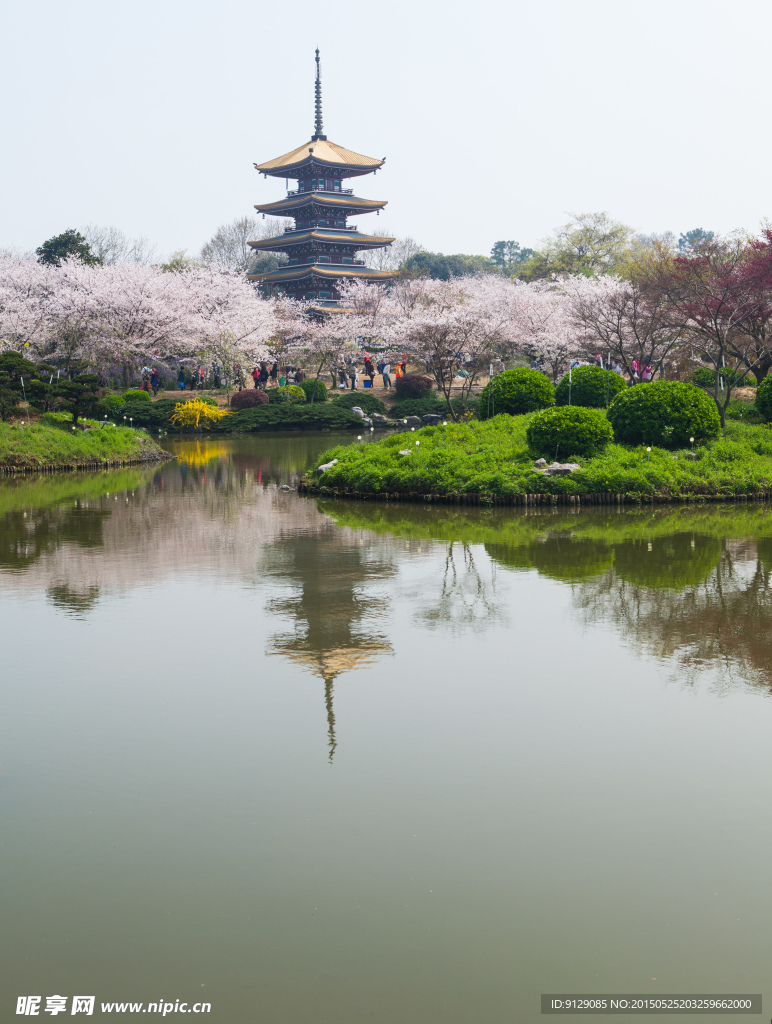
{"x":764,"y":398}
{"x":568,"y":430}
{"x":136,"y":395}
{"x":516,"y":392}
{"x":248,"y":398}
{"x":591,"y":387}
{"x":367,"y":403}
{"x":666,"y":413}
{"x":288,"y":393}
{"x":315,"y":390}
{"x":413,"y":385}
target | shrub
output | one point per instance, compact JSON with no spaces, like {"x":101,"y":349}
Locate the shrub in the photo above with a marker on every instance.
{"x":705,"y":377}
{"x":315,"y":390}
{"x":111,"y":405}
{"x":665,"y":413}
{"x":568,"y":430}
{"x":248,"y":398}
{"x":591,"y":387}
{"x":316,"y":416}
{"x":367,"y":403}
{"x":764,"y":398}
{"x":196,"y":413}
{"x":287,"y":393}
{"x":418,"y":406}
{"x":154,"y":415}
{"x":136,"y":395}
{"x":413,"y":385}
{"x":515,"y":392}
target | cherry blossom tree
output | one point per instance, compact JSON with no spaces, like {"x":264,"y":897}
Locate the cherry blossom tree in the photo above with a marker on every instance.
{"x":542,"y":328}
{"x":456,"y":328}
{"x":25,"y":290}
{"x":624,"y":320}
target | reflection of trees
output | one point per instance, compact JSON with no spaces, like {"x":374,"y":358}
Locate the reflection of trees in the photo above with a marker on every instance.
{"x":723,"y":622}
{"x":333,"y":606}
{"x":557,"y":555}
{"x":27,"y":535}
{"x":671,"y":561}
{"x":466,"y":596}
{"x":74,"y":602}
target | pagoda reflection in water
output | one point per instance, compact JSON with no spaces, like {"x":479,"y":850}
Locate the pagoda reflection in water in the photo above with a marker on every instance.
{"x":335,"y":608}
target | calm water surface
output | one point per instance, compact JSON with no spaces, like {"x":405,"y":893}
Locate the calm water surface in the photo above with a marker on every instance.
{"x":327,"y":762}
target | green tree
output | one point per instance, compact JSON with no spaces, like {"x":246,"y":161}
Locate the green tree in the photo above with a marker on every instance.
{"x":439,"y":266}
{"x":70,"y":244}
{"x":179,"y":261}
{"x":691,"y":242}
{"x":590,"y":243}
{"x":508,"y":256}
{"x":79,"y":395}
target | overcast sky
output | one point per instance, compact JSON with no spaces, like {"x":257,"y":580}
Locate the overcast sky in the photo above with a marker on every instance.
{"x":497,"y":119}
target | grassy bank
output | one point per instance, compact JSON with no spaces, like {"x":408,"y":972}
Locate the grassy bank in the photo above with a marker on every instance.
{"x":52,"y":444}
{"x":491,"y":460}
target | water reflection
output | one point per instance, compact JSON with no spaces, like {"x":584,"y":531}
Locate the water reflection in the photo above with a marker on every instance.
{"x":333,"y":604}
{"x":692,"y":585}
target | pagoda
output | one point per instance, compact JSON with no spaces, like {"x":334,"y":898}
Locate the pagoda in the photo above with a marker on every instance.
{"x":322,"y":246}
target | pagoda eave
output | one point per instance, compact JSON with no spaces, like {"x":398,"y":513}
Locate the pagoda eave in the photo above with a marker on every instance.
{"x":285,"y":275}
{"x":323,"y":153}
{"x":346,"y":205}
{"x":348,"y":240}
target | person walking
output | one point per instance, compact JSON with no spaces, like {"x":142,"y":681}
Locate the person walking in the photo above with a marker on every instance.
{"x":262,"y":377}
{"x":386,"y":372}
{"x":181,"y":378}
{"x":342,"y":377}
{"x":154,"y":381}
{"x":354,"y":376}
{"x":255,"y":375}
{"x":403,"y":365}
{"x":275,"y":372}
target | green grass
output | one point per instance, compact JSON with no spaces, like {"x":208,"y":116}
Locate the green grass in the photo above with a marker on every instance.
{"x":492,"y":457}
{"x":51,"y":441}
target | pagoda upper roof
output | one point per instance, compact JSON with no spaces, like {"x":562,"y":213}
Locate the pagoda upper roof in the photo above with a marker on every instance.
{"x":333,"y":200}
{"x":319,"y":151}
{"x":291,"y":238}
{"x":324,"y":270}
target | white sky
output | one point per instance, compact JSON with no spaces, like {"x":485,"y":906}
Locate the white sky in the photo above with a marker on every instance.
{"x":497,"y":119}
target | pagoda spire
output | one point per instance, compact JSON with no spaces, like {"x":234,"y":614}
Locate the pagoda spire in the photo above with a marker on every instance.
{"x":318,"y":124}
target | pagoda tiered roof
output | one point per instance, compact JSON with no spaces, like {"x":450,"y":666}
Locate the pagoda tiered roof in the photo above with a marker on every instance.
{"x":340,"y":202}
{"x":291,"y":238}
{"x":324,"y":271}
{"x":319,"y":150}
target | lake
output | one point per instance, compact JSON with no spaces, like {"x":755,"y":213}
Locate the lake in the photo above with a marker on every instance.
{"x":316,"y":761}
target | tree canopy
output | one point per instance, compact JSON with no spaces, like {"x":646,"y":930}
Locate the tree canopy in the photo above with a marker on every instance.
{"x":440,"y":267}
{"x":70,"y":244}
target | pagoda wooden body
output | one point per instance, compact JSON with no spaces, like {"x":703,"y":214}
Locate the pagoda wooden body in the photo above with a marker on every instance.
{"x":322,"y":247}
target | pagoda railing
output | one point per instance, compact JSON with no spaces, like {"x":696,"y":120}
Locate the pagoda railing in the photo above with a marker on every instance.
{"x":348,"y":227}
{"x":310,"y":191}
{"x":326,"y":263}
